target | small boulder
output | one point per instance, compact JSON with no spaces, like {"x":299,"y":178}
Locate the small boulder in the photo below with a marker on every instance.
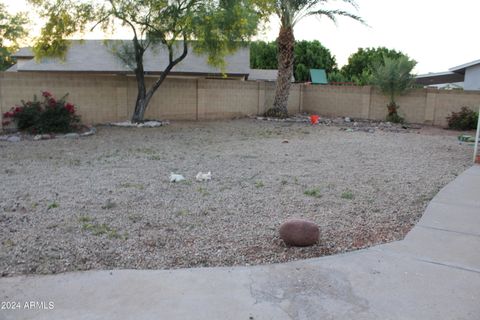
{"x":14,"y":139}
{"x":299,"y":233}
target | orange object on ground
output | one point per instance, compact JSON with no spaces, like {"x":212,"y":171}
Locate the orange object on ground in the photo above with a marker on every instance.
{"x":314,"y":119}
{"x":477,"y":160}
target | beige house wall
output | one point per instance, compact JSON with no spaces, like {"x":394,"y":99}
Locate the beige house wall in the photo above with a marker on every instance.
{"x":109,"y":98}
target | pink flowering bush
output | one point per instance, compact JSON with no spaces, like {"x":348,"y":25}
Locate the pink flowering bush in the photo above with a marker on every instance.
{"x":48,"y":115}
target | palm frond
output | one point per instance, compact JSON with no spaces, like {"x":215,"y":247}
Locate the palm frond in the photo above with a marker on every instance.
{"x":333,"y":14}
{"x":291,"y":12}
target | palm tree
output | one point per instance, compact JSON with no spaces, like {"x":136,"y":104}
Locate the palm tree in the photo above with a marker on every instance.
{"x":393,"y":77}
{"x":290,"y":13}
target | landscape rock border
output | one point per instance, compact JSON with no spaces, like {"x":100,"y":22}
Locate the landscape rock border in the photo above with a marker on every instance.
{"x":17,"y":137}
{"x":348,"y":124}
{"x":146,"y":124}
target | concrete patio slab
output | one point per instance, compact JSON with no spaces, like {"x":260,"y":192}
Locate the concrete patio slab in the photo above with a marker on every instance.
{"x":446,"y":217}
{"x":433,"y":274}
{"x":439,"y":246}
{"x":465,"y":191}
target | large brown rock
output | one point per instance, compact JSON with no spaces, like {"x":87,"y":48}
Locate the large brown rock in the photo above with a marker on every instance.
{"x":299,"y":232}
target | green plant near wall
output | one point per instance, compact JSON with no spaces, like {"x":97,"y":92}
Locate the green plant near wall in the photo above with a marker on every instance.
{"x":465,"y":119}
{"x":394,"y":77}
{"x":47,"y":115}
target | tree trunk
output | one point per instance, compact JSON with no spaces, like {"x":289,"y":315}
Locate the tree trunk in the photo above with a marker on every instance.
{"x":144,"y":96}
{"x":141,"y":103}
{"x":286,"y":43}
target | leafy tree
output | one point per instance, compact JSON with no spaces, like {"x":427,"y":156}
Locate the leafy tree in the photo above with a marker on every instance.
{"x":218,"y":28}
{"x":337,"y":76}
{"x":311,"y":55}
{"x":12,"y":29}
{"x":361,"y":64}
{"x":307,"y":55}
{"x":263,"y":55}
{"x":290,"y":12}
{"x":394,"y":77}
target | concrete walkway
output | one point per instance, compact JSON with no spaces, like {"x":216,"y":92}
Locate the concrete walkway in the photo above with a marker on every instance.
{"x":433,"y":274}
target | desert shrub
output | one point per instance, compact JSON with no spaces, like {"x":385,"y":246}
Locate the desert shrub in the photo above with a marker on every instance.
{"x":48,"y":115}
{"x":465,"y":119}
{"x":394,"y":117}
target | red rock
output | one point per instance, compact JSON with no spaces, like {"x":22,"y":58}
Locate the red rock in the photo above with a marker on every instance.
{"x":299,"y":232}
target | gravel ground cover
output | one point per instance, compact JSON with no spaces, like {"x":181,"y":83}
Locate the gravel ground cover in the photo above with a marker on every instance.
{"x":106,"y":202}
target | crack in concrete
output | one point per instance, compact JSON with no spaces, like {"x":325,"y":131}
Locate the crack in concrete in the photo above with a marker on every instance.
{"x":448,"y":230}
{"x":448,"y":265}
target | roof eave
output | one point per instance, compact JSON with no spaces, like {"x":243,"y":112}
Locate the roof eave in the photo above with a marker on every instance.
{"x":462,"y":68}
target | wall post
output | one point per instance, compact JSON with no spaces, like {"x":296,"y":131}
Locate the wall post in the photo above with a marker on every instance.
{"x":430,"y":104}
{"x":366,"y":101}
{"x":261,"y":98}
{"x":122,"y":99}
{"x":300,"y":95}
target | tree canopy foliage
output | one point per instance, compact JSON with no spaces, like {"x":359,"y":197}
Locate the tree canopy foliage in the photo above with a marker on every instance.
{"x":12,"y":29}
{"x":307,"y":55}
{"x":361,"y":64}
{"x":263,"y":55}
{"x":217,"y":28}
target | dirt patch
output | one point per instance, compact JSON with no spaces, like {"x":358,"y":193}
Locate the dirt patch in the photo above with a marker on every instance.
{"x":106,"y":201}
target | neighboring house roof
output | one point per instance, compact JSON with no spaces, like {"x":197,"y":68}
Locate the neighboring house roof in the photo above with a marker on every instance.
{"x":439,"y":78}
{"x":455,"y":74}
{"x":451,"y":86}
{"x":263,"y":75}
{"x":12,"y":68}
{"x":98,"y":56}
{"x":24,"y":53}
{"x":461,"y":68}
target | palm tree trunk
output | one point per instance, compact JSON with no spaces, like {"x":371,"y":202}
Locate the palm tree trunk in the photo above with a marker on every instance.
{"x":286,"y":43}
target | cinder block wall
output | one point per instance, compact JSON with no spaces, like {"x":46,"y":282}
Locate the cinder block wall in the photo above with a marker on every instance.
{"x":335,"y":101}
{"x":109,"y":98}
{"x":100,"y":99}
{"x":423,"y":106}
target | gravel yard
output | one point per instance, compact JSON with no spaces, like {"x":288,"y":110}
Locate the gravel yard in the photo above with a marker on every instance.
{"x":106,"y":202}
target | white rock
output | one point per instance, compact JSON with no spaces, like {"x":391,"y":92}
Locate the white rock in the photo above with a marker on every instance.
{"x":37,"y":137}
{"x":13,"y":139}
{"x":151,"y":124}
{"x":203,"y":176}
{"x":72,"y":135}
{"x":176,"y":177}
{"x":146,"y":124}
{"x":88,"y":133}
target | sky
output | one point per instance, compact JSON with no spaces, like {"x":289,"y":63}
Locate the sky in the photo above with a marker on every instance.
{"x":438,"y":34}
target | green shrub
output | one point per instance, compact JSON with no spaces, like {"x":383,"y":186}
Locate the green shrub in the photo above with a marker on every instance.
{"x":395,"y":118}
{"x":465,"y":119}
{"x":47,"y":116}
